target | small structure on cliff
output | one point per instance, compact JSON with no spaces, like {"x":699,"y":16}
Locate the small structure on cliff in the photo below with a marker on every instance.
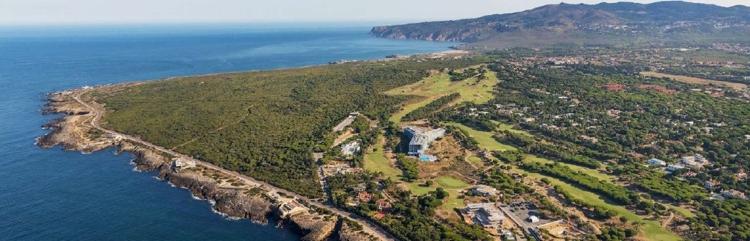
{"x":290,"y":208}
{"x":179,"y":164}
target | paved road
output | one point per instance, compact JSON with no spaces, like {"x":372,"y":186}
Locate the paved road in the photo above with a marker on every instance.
{"x":367,"y":225}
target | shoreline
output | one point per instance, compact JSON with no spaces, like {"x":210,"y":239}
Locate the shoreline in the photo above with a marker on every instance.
{"x":234,"y":195}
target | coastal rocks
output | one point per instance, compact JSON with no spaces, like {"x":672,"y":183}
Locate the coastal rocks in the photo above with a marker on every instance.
{"x":315,"y":227}
{"x":233,"y":203}
{"x":71,"y":131}
{"x":230,"y":195}
{"x":351,"y":232}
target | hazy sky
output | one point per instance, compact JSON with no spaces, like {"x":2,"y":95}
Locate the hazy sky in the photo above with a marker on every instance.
{"x":160,"y":11}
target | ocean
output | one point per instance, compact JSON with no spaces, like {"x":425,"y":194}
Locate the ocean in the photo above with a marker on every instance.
{"x":52,"y":194}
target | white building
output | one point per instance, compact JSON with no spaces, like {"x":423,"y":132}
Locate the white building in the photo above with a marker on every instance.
{"x":420,"y":140}
{"x":696,"y":161}
{"x":351,"y":148}
{"x":179,"y":164}
{"x":485,"y":214}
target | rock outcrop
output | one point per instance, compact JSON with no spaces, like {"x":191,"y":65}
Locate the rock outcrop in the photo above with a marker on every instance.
{"x":315,"y":227}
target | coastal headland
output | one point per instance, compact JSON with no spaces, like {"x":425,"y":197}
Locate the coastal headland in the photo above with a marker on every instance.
{"x":231,"y":194}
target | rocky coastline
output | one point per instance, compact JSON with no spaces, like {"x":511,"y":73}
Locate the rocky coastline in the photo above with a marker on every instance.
{"x":229,"y":195}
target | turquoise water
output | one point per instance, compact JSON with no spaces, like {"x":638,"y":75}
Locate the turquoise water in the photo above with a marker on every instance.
{"x":57,"y":195}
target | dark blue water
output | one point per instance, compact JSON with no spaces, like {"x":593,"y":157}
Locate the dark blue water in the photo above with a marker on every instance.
{"x":58,"y":195}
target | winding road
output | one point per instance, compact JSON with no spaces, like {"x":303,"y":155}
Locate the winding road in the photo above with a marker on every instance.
{"x":367,"y":225}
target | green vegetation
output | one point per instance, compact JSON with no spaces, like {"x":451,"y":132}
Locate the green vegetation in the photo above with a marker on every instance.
{"x":437,"y":85}
{"x":732,"y":216}
{"x":409,"y":167}
{"x":530,"y":145}
{"x":376,"y":161}
{"x":484,"y":138}
{"x":451,"y":185}
{"x":672,"y":189}
{"x":614,"y":192}
{"x":264,"y":124}
{"x":479,"y":73}
{"x":410,"y":217}
{"x":425,"y":111}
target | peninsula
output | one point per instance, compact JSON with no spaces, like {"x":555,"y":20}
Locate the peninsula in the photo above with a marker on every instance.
{"x":584,"y":140}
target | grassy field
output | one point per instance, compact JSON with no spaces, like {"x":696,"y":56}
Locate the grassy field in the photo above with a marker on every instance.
{"x":694,"y":80}
{"x":591,"y":172}
{"x":376,"y":161}
{"x":450,"y":184}
{"x":651,"y":230}
{"x":484,"y":138}
{"x":435,"y":86}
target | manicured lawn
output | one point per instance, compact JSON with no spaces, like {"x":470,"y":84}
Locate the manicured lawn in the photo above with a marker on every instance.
{"x":485,"y":139}
{"x":376,"y":161}
{"x":439,"y":85}
{"x":409,"y":107}
{"x":453,"y":185}
{"x":650,"y":230}
{"x":591,"y":172}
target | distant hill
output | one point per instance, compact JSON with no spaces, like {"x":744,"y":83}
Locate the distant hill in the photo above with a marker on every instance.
{"x":621,"y":23}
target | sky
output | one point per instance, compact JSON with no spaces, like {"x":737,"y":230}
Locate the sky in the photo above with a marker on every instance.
{"x":23,"y":12}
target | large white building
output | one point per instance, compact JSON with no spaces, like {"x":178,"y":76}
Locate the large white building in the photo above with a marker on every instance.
{"x":485,"y":214}
{"x":420,"y":140}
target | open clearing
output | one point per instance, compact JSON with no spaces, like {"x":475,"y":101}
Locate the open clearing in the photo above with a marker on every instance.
{"x":438,"y":85}
{"x":485,"y":139}
{"x":694,"y":80}
{"x":451,"y":184}
{"x":585,"y":170}
{"x":376,"y":161}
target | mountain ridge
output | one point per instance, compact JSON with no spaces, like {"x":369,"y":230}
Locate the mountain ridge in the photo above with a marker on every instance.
{"x":584,"y":24}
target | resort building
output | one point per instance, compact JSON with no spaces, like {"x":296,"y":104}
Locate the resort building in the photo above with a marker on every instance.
{"x":420,"y":140}
{"x":485,"y":214}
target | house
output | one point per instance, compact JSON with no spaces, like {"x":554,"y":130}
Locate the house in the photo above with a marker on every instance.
{"x":696,"y":161}
{"x":485,"y":214}
{"x":656,"y":162}
{"x":351,"y":148}
{"x":364,"y":197}
{"x":483,"y":190}
{"x":383,"y":205}
{"x":420,"y":140}
{"x":711,"y":184}
{"x":733,"y":194}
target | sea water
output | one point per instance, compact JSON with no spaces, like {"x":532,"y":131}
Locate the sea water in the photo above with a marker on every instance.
{"x":51,"y":194}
